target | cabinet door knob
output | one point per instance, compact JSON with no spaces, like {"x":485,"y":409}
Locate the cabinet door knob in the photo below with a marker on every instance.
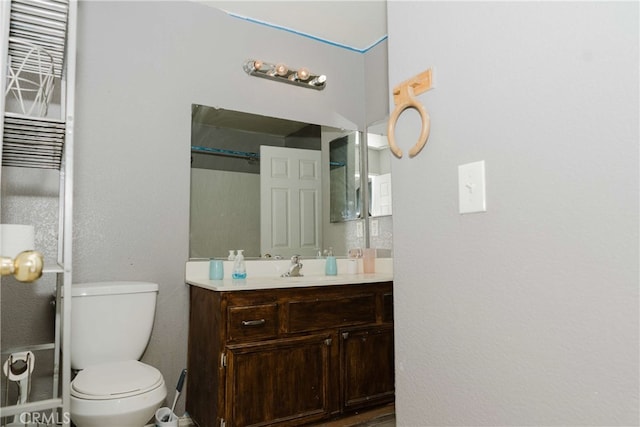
{"x":345,"y":335}
{"x":328,"y":341}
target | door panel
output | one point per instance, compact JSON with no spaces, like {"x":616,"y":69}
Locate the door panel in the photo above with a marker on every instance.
{"x":285,"y":381}
{"x":381,"y":195}
{"x":290,"y":201}
{"x":279,"y":224}
{"x":309,"y":201}
{"x":367,"y":364}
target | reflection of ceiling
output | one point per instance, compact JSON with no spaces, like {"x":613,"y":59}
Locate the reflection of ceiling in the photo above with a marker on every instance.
{"x":377,"y":142}
{"x":357,"y":24}
{"x":247,"y":122}
{"x":230,"y":141}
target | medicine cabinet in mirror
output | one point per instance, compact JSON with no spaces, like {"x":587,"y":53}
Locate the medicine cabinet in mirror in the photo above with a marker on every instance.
{"x":345,"y":165}
{"x":344,"y":180}
{"x":239,"y":199}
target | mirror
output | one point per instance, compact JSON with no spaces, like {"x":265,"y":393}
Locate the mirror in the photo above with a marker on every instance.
{"x":344,"y":180}
{"x":379,"y":169}
{"x":344,"y":159}
{"x":225,"y":211}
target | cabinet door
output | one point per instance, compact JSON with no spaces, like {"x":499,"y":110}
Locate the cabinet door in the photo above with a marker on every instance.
{"x":367,"y":366}
{"x":279,"y":382}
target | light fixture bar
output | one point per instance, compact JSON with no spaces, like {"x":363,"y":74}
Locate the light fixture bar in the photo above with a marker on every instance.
{"x":280,"y":72}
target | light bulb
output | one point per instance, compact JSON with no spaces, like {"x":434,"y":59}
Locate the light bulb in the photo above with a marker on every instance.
{"x":318,"y":81}
{"x":303,"y":74}
{"x":281,"y":69}
{"x":257,"y":64}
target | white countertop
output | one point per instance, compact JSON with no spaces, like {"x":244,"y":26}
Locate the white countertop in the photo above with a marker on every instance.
{"x":266,"y":275}
{"x":251,"y":283}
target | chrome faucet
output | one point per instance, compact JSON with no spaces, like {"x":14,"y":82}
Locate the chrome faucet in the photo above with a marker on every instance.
{"x":294,"y":268}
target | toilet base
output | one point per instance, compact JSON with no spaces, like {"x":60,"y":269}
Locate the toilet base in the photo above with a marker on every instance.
{"x":134,"y":411}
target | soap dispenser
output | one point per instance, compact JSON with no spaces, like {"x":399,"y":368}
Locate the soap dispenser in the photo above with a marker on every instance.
{"x":239,"y":268}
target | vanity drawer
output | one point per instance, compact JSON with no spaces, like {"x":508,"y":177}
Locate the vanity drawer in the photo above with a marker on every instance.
{"x":252,"y":322}
{"x":331,"y":313}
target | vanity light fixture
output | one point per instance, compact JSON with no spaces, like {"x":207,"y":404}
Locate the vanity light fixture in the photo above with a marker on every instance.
{"x":280,"y":72}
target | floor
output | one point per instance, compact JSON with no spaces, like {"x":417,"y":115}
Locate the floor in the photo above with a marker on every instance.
{"x":379,"y":417}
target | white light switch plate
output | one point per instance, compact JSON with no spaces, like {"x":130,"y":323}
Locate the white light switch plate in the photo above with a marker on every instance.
{"x":471,"y":188}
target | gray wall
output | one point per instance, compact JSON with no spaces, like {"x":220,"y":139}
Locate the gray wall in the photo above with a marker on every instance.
{"x":526,"y":314}
{"x":376,"y":83}
{"x":140,"y":67}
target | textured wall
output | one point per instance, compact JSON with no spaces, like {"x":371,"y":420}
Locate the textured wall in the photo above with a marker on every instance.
{"x":526,"y":314}
{"x":140,"y":67}
{"x":134,"y":95}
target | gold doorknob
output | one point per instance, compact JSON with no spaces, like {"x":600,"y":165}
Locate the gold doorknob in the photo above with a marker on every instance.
{"x":26,"y":267}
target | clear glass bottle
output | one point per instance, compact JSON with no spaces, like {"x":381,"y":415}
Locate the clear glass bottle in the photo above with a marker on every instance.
{"x":239,"y":267}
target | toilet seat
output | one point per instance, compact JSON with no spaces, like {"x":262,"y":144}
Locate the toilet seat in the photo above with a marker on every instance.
{"x":116,"y":380}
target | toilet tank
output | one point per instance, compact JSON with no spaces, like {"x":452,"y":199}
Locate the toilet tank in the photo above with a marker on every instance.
{"x":110,"y":321}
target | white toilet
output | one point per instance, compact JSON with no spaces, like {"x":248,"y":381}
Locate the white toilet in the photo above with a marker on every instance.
{"x":110,"y":329}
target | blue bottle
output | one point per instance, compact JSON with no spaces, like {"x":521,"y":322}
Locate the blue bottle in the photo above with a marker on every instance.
{"x":216,"y":269}
{"x":331,"y":265}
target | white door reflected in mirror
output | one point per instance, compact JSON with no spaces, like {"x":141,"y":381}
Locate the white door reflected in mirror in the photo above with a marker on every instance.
{"x":381,"y":194}
{"x":379,"y":164}
{"x":290,"y":201}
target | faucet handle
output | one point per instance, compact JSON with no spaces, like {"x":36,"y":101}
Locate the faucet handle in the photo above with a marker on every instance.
{"x":295,"y":259}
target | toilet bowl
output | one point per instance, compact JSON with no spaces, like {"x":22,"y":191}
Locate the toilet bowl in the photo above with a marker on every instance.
{"x":123,"y":394}
{"x":111,"y":326}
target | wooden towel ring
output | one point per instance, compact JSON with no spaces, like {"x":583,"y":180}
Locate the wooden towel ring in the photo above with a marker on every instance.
{"x":404,"y":97}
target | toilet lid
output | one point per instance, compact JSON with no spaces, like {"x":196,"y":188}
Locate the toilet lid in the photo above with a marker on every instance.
{"x":115,"y":380}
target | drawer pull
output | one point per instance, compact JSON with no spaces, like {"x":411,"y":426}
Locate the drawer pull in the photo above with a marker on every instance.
{"x":253,"y":322}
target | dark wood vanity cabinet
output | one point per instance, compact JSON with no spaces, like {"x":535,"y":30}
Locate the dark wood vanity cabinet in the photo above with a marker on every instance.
{"x":288,"y":356}
{"x":366,"y":362}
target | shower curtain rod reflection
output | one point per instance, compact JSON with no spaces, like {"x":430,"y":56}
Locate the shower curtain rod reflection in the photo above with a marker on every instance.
{"x":224,"y":152}
{"x":238,"y":154}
